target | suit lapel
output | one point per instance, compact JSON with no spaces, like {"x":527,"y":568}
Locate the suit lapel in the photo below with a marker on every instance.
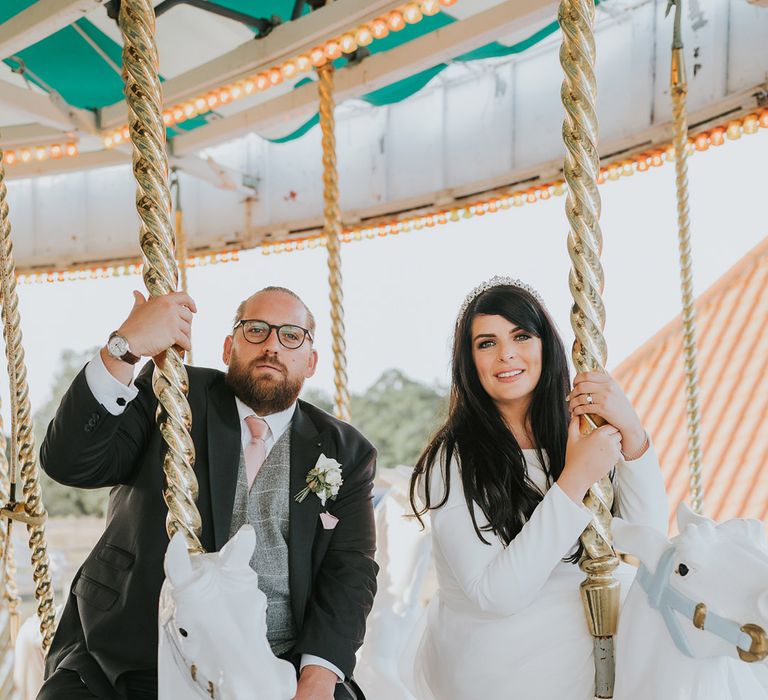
{"x":224,"y":445}
{"x":306,"y":446}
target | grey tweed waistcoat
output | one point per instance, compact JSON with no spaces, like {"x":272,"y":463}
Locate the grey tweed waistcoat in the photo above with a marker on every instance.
{"x":266,"y":507}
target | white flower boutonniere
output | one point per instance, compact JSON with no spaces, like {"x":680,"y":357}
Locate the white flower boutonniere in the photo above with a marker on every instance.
{"x":324,"y":479}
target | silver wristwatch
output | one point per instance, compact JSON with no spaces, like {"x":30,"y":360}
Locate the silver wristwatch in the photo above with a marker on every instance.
{"x":117,"y":347}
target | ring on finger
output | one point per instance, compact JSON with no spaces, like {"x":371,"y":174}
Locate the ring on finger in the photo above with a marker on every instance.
{"x":590,"y":401}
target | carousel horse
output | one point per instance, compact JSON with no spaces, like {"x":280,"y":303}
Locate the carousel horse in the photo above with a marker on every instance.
{"x":404,"y":555}
{"x":708,"y":593}
{"x":213,"y":627}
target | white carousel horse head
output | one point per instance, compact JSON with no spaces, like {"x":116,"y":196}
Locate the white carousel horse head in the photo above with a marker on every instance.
{"x":708,"y":588}
{"x":213,"y":627}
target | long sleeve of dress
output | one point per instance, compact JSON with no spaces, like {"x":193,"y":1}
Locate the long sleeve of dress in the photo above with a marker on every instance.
{"x":639,"y":492}
{"x":502,"y":580}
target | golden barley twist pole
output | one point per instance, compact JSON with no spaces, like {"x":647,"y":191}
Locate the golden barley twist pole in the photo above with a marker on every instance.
{"x":679,"y":91}
{"x":332,"y":214}
{"x":23,"y":441}
{"x":600,"y":591}
{"x":153,"y":202}
{"x":181,"y":247}
{"x":8,"y":589}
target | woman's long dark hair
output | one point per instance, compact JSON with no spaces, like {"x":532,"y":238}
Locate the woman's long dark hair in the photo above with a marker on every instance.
{"x":492,"y":466}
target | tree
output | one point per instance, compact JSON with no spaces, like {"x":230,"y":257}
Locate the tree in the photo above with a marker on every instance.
{"x":397,"y":414}
{"x":66,"y":500}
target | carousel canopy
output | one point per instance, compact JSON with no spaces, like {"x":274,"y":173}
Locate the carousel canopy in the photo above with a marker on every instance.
{"x":439,"y":101}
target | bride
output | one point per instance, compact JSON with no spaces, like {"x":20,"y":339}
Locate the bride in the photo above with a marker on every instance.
{"x":503,"y":482}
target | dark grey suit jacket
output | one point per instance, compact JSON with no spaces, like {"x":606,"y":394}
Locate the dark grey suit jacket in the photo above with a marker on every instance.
{"x":109,"y":624}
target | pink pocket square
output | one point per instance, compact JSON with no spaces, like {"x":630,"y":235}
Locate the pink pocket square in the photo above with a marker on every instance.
{"x":329,"y":521}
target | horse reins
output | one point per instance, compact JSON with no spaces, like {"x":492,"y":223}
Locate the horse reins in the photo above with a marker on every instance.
{"x":749,"y":639}
{"x":208,"y":687}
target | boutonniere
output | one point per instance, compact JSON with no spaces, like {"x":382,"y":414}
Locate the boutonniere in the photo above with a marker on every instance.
{"x":324,"y":479}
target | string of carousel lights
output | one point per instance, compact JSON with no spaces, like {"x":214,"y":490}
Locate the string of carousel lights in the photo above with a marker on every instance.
{"x":346,"y":43}
{"x":640,"y":162}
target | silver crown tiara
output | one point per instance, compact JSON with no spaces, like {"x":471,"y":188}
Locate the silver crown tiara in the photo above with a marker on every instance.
{"x":497,"y":281}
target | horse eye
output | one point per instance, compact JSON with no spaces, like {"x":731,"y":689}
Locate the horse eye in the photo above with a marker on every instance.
{"x":682,"y":569}
{"x":183,"y":632}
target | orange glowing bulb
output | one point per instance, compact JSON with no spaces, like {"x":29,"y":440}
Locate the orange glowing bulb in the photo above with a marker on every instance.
{"x":348,"y":43}
{"x":701,"y":142}
{"x":764,"y":119}
{"x":117,"y":137}
{"x":213,"y":100}
{"x":430,"y":7}
{"x":275,"y":76}
{"x":380,"y":28}
{"x":642,"y":165}
{"x":332,"y":49}
{"x":41,"y":153}
{"x":657,"y":160}
{"x":237,"y":92}
{"x":262,"y":81}
{"x":751,"y":124}
{"x":412,"y":13}
{"x":201,"y":104}
{"x":107,"y":144}
{"x":71,"y":149}
{"x":717,"y":136}
{"x":395,"y":21}
{"x":733,"y":130}
{"x":178,"y":114}
{"x":447,"y":3}
{"x":249,"y":86}
{"x":225,"y":96}
{"x":544,"y":193}
{"x":317,"y":56}
{"x":56,"y":151}
{"x":9,"y":157}
{"x":189,"y":110}
{"x":364,"y":36}
{"x":288,"y":69}
{"x":530,"y":196}
{"x":126,"y":133}
{"x":303,"y":63}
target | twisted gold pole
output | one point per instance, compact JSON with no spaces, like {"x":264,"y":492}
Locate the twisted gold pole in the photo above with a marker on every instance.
{"x":600,"y":591}
{"x":153,"y":202}
{"x":332,"y":214}
{"x":181,"y":247}
{"x":679,"y":92}
{"x":22,"y":439}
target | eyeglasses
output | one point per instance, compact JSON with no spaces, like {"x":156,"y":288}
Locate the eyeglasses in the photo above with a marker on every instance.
{"x":290,"y":336}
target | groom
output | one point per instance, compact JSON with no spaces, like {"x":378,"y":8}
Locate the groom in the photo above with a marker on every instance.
{"x":254,"y":444}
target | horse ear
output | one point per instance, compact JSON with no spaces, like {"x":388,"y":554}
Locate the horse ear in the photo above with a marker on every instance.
{"x":747,"y":528}
{"x":642,"y":541}
{"x":685,"y":517}
{"x":238,"y":551}
{"x":178,"y":565}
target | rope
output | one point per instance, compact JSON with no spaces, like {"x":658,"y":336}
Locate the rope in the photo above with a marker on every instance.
{"x":679,"y":92}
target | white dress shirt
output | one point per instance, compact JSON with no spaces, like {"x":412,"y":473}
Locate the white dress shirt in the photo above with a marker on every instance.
{"x":115,"y":396}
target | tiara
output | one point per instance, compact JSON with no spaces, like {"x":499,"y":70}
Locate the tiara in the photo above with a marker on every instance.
{"x":497,"y":281}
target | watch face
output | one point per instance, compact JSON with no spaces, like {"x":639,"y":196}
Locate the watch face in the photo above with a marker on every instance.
{"x":117,"y":346}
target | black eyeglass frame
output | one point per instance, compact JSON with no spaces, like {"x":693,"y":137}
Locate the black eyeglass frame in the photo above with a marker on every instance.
{"x":276,"y":328}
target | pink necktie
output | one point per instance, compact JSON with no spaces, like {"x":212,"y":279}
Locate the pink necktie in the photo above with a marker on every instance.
{"x":256,"y":449}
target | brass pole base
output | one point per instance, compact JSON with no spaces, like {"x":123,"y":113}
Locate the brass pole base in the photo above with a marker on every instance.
{"x":600,"y":595}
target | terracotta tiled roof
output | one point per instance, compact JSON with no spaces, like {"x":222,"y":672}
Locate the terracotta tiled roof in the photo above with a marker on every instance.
{"x":732,"y":326}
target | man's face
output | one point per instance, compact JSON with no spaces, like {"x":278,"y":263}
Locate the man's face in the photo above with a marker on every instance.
{"x":268,"y":376}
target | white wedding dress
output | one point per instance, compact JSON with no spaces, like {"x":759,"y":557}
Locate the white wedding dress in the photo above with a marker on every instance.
{"x":508,"y":622}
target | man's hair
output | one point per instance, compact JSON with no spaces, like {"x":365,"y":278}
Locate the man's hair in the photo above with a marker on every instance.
{"x":284,"y":290}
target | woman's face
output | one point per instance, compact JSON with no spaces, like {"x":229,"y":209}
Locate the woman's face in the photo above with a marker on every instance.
{"x":507,"y":359}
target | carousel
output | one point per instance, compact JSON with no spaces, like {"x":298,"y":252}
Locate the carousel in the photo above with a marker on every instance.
{"x":182,"y":120}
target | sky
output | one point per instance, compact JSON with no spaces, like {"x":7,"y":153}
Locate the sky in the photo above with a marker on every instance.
{"x":401,"y":294}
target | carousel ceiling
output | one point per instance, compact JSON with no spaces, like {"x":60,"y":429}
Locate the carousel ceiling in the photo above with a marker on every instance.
{"x":437,"y":100}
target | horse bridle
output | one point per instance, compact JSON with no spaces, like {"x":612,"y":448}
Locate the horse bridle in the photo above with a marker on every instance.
{"x":749,"y":639}
{"x":207,"y":686}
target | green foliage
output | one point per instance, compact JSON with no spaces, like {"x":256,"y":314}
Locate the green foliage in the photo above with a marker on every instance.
{"x":397,"y":414}
{"x":65,"y":500}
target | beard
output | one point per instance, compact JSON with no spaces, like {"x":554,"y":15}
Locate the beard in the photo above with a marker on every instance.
{"x":265,"y":394}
